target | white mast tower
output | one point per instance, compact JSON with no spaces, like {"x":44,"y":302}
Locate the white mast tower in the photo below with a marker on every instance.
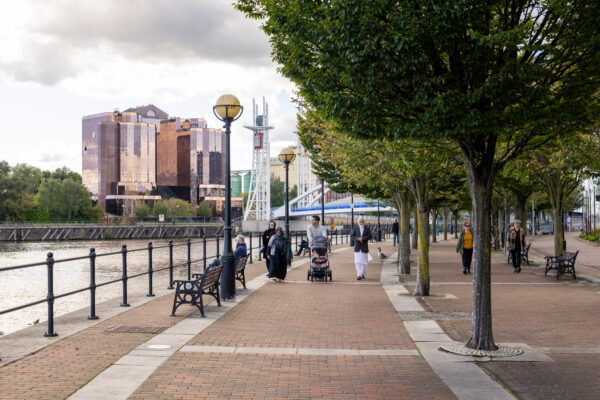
{"x":306,"y":179}
{"x":259,"y":198}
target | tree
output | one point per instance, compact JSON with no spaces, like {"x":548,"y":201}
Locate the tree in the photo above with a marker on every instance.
{"x":160,"y":207}
{"x":560,"y":168}
{"x":203,"y":209}
{"x":141,"y":210}
{"x":497,"y":78}
{"x":277,"y":191}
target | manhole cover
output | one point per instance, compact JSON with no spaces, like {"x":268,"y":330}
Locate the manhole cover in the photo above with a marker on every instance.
{"x":461,"y":349}
{"x":136,"y":329}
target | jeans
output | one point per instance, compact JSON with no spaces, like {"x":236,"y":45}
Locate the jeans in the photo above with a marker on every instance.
{"x":467,"y":257}
{"x":395,"y":238}
{"x":516,"y":258}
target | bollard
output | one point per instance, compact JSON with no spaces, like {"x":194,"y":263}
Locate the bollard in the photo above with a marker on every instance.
{"x":50,"y":296}
{"x":189,"y":259}
{"x":336,"y":237}
{"x":296,"y":234}
{"x":218,"y":254}
{"x":150,"y":294}
{"x":250,"y":252}
{"x":92,"y":284}
{"x":203,"y":253}
{"x":124,"y":276}
{"x":170,"y":265}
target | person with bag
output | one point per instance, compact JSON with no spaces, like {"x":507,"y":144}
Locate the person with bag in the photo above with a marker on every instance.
{"x":278,"y":255}
{"x":465,"y":247}
{"x":361,"y":236}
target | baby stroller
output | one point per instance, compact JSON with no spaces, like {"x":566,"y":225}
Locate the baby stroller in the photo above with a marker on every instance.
{"x":319,"y":263}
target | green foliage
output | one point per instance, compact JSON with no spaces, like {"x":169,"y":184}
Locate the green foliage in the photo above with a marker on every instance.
{"x":63,"y":200}
{"x":160,"y":207}
{"x":29,"y":194}
{"x":203,"y":209}
{"x":141,"y":210}
{"x":277,"y":191}
{"x":173,"y":208}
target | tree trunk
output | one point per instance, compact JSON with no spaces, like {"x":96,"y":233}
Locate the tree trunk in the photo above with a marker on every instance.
{"x":434,"y":225}
{"x":480,"y":184}
{"x":404,"y":239}
{"x":455,"y":212}
{"x":521,"y":211}
{"x":559,"y":234}
{"x":445,"y":224}
{"x":422,"y":288}
{"x":415,"y":232}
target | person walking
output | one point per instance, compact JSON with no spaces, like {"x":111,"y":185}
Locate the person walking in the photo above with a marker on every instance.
{"x":314,"y":229}
{"x":277,"y":255}
{"x":266,"y":236}
{"x":240,"y":248}
{"x":361,"y":236}
{"x":395,"y":231}
{"x":516,"y":242}
{"x":465,"y":247}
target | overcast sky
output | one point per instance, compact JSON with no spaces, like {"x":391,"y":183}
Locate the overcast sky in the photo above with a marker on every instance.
{"x":62,"y":59}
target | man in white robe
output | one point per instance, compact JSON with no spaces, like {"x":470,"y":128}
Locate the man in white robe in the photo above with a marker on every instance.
{"x":361,"y":236}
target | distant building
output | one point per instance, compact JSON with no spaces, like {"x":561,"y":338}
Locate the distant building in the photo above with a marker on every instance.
{"x":141,"y":154}
{"x":119,"y":157}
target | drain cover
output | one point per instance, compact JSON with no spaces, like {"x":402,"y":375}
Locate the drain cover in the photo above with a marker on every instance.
{"x":461,"y":349}
{"x":136,"y":329}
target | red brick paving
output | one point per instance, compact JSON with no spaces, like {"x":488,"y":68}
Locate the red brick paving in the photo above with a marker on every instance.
{"x":63,"y":367}
{"x":534,"y":310}
{"x":305,"y":315}
{"x":242,"y":376}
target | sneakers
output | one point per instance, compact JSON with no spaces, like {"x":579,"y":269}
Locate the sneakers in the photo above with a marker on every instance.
{"x":464,"y":271}
{"x":358,"y":278}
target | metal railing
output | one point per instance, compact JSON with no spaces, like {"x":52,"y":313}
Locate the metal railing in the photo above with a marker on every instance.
{"x":336,"y":237}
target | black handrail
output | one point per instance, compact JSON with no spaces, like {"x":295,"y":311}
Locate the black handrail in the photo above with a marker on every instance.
{"x":93,"y":286}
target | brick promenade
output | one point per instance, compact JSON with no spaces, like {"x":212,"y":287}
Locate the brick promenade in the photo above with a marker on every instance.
{"x":557,"y":319}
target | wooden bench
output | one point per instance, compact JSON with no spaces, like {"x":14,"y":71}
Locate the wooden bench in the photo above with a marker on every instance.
{"x":524,"y":255}
{"x":240,"y":270}
{"x":190,"y":292}
{"x":563,"y":263}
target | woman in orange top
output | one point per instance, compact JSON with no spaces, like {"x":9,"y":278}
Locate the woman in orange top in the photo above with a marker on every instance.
{"x":465,"y":247}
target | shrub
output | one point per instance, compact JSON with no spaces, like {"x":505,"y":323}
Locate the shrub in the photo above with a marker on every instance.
{"x":141,"y":210}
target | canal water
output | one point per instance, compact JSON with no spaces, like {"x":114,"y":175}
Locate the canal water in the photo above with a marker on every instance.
{"x":22,"y":286}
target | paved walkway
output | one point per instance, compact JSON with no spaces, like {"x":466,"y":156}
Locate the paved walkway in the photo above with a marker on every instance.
{"x":342,"y":340}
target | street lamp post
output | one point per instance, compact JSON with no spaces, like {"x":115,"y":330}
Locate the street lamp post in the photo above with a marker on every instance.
{"x":351,"y":218}
{"x":378,"y":223}
{"x":227,"y":109}
{"x":322,"y":201}
{"x":286,"y":156}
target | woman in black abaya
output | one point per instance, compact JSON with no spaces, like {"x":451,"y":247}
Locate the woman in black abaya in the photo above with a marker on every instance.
{"x":277,"y":255}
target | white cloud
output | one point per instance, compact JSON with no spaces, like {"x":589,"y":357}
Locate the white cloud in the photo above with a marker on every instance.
{"x":65,"y":59}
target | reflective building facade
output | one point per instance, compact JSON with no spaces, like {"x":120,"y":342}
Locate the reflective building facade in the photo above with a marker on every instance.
{"x":141,"y":154}
{"x":119,"y":156}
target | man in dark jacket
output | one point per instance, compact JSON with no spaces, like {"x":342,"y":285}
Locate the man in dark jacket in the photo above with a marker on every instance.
{"x":361,"y":236}
{"x":395,"y":230}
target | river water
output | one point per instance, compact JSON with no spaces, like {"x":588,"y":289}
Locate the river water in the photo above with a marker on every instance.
{"x":22,"y":286}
